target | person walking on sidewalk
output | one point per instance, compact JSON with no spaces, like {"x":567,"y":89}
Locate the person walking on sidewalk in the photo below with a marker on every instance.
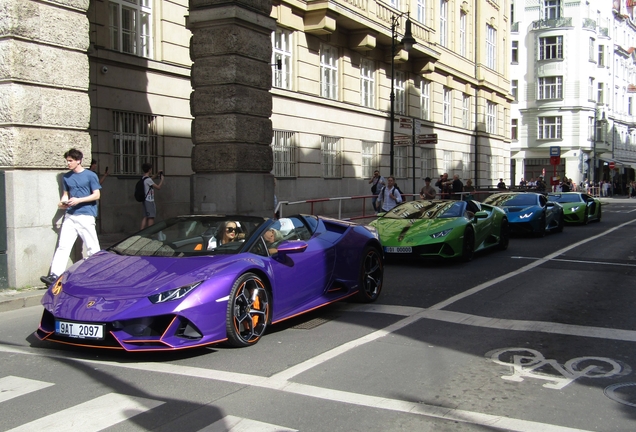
{"x":149,"y":206}
{"x":79,"y":200}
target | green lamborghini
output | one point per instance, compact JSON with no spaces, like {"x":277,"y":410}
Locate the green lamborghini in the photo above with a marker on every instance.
{"x":578,"y":207}
{"x":442,"y":228}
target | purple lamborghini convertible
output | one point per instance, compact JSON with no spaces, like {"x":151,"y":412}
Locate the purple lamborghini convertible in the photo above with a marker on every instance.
{"x":184,"y":282}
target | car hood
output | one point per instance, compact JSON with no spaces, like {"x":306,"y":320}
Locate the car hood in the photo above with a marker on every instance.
{"x":112,"y":276}
{"x":408,"y":231}
{"x":519,"y":209}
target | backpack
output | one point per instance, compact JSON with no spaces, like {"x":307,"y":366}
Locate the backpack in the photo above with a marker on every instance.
{"x":140,"y":196}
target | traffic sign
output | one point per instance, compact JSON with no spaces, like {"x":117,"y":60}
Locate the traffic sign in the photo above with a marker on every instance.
{"x":612,"y":165}
{"x":427,"y":139}
{"x":555,"y":151}
{"x":555,"y":160}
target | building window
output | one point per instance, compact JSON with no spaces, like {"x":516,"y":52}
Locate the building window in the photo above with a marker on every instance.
{"x":367,"y":83}
{"x":514,"y":129}
{"x":491,"y":47}
{"x":629,"y":105}
{"x":590,"y":89}
{"x":400,"y":159}
{"x":600,"y":93}
{"x":551,"y":88}
{"x":130,"y":25}
{"x":443,"y":22}
{"x":425,"y":99}
{"x":601,"y":55}
{"x":331,"y":158}
{"x":551,"y":48}
{"x":395,"y":3}
{"x":551,"y":9}
{"x":494,"y":168}
{"x":550,"y":127}
{"x":447,"y":165}
{"x":282,"y":58}
{"x":515,"y":52}
{"x":514,"y":89}
{"x":135,"y":142}
{"x":369,"y":159}
{"x":328,"y":71}
{"x":491,"y":117}
{"x":465,"y":166}
{"x":591,"y":50}
{"x":284,"y":151}
{"x":590,"y":128}
{"x":427,"y":163}
{"x":448,"y":106}
{"x":421,"y":11}
{"x":466,"y":111}
{"x":400,"y":93}
{"x":462,"y":33}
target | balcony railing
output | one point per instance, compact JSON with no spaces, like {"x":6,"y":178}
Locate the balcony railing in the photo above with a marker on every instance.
{"x":552,"y":23}
{"x":360,"y":4}
{"x":589,"y":23}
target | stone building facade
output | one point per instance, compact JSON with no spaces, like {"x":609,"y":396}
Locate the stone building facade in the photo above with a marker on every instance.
{"x":180,"y":84}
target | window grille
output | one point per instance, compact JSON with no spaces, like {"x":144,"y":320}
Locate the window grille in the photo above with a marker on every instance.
{"x":284,"y":152}
{"x":331,"y":157}
{"x":135,"y":142}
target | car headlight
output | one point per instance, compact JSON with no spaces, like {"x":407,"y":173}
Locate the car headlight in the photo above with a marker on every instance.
{"x":173,"y":294}
{"x":575,"y":209}
{"x":525,"y":216}
{"x":373,"y":230}
{"x":441,"y":233}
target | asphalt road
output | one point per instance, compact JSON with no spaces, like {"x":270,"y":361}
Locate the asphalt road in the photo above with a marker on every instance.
{"x":541,"y":337}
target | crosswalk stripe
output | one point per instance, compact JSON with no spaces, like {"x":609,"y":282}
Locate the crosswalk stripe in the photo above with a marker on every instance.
{"x":12,"y":387}
{"x":93,"y":415}
{"x":237,"y":424}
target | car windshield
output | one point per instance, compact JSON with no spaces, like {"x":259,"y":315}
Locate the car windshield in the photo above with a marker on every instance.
{"x":511,"y":200}
{"x":564,"y":198}
{"x":423,"y":209}
{"x":191,"y":235}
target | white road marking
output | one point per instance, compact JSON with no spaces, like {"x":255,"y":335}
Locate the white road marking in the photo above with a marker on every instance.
{"x":12,"y":387}
{"x":524,"y":269}
{"x":93,"y":415}
{"x":276,"y":383}
{"x":579,"y":261}
{"x":237,"y":424}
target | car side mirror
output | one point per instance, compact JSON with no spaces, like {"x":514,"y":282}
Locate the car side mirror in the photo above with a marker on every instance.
{"x":481,"y":215}
{"x":549,"y":204}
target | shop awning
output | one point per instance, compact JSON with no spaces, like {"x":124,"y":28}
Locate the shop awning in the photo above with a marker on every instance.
{"x":618,"y":163}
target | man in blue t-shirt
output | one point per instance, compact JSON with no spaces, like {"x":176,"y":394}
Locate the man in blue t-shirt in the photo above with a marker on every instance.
{"x":81,"y":193}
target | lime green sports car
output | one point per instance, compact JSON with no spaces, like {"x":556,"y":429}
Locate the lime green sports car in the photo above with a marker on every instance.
{"x":442,"y":228}
{"x":578,"y":207}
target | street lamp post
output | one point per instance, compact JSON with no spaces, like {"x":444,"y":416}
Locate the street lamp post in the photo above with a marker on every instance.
{"x":407,"y":41}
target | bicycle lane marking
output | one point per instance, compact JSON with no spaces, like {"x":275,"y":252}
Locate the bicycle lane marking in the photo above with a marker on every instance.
{"x":532,"y":265}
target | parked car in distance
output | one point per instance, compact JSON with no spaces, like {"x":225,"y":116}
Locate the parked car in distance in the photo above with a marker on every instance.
{"x":442,"y":228}
{"x":529,"y":212}
{"x":578,"y":207}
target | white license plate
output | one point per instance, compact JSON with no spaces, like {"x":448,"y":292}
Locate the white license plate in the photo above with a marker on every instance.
{"x":79,"y":330}
{"x":399,"y":249}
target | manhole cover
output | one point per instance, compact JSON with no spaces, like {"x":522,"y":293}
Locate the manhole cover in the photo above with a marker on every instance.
{"x":308,"y":325}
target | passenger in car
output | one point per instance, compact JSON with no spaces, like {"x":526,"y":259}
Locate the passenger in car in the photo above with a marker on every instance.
{"x":271,"y":237}
{"x":226,"y":233}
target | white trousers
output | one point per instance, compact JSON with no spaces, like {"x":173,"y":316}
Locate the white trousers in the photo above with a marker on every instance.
{"x":73,"y":226}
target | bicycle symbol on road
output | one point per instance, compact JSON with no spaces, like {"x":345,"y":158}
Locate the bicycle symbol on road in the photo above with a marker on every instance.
{"x":529,"y":363}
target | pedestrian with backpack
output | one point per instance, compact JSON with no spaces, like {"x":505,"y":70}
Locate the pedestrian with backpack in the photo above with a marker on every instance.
{"x":147,"y":195}
{"x":389,"y":196}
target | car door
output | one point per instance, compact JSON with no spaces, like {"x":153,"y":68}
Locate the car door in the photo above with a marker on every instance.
{"x":300,"y":278}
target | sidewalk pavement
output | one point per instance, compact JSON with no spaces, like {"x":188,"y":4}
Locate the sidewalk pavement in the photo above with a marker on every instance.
{"x":16,"y":299}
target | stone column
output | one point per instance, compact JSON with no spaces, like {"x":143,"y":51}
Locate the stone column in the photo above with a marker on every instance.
{"x":231,"y":104}
{"x":44,"y":111}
